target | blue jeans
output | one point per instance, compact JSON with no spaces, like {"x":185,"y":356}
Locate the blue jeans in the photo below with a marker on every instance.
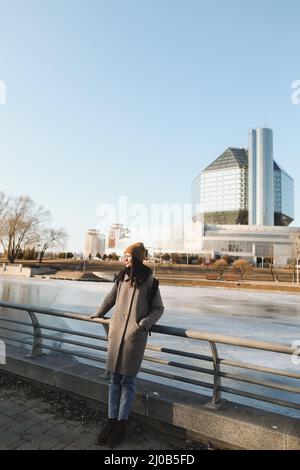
{"x":121,"y":395}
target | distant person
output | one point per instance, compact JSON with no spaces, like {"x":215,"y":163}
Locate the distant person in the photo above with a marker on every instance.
{"x":138,"y":307}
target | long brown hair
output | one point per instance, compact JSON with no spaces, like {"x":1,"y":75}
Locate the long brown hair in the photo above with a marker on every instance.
{"x":138,"y":272}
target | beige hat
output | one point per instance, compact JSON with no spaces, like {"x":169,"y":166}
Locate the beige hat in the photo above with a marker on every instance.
{"x":137,"y":250}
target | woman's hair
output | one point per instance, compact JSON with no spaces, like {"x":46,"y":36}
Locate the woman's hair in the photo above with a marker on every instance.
{"x":138,"y":272}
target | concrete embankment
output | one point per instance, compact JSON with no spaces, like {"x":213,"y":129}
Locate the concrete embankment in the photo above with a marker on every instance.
{"x":174,"y":280}
{"x":20,"y":270}
{"x":14,"y":270}
{"x":169,"y":410}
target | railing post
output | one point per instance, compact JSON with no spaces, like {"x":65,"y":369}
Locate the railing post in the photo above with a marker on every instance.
{"x":216,"y":400}
{"x":37,"y":346}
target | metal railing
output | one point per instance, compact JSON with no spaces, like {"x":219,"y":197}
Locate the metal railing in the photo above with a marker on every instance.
{"x":217,"y":372}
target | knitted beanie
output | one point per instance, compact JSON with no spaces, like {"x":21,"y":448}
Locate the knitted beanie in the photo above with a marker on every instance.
{"x":137,"y":250}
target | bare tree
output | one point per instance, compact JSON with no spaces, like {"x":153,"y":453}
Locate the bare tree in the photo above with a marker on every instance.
{"x":4,"y":202}
{"x":221,"y":264}
{"x":21,"y":222}
{"x":241,"y":265}
{"x":50,"y":237}
{"x":295,"y":252}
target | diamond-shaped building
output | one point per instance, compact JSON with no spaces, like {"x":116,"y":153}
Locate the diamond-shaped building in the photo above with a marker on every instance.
{"x":245,"y":187}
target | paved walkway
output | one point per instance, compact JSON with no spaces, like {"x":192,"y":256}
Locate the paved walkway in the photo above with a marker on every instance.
{"x":36,"y":419}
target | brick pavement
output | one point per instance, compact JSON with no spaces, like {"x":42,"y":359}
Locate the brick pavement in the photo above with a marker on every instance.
{"x":29,"y":420}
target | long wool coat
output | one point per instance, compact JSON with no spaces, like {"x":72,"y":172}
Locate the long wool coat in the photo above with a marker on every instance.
{"x":129,"y":324}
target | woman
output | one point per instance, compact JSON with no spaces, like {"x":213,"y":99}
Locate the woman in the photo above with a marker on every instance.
{"x":137,"y":310}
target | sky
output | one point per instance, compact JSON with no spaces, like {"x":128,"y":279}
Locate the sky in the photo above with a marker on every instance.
{"x":135,"y":97}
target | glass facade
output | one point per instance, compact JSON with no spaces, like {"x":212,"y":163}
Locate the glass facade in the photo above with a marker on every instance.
{"x":283,"y":196}
{"x":277,"y":190}
{"x":287,"y":195}
{"x":226,"y":192}
{"x":220,"y":191}
{"x":223,"y":190}
{"x":261,"y":193}
{"x":252,"y":178}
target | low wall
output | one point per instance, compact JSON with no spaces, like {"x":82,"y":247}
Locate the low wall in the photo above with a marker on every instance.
{"x":14,"y":270}
{"x":172,"y":410}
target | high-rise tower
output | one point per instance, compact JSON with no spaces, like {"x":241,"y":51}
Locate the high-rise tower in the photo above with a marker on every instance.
{"x":261,"y":186}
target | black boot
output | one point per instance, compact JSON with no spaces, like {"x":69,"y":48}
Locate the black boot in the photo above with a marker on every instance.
{"x":106,"y":430}
{"x":119,"y":434}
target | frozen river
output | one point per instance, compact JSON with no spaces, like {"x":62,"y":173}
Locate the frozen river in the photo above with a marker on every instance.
{"x":263,"y":316}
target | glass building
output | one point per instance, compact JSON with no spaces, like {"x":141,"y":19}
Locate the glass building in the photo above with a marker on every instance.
{"x":220,"y":191}
{"x":284,"y":204}
{"x":260,"y":173}
{"x":241,"y":187}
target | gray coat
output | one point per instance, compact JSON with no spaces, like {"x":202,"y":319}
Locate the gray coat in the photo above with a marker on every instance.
{"x":129,"y":325}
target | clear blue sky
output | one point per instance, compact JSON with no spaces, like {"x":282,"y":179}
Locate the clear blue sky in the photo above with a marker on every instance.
{"x":135,"y":97}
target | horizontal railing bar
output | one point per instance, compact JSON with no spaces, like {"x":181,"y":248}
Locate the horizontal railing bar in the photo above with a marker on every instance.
{"x":16,"y":330}
{"x":76,"y":343}
{"x":145,"y":370}
{"x":17,"y":340}
{"x":100,"y":348}
{"x":269,"y":370}
{"x":52,"y":312}
{"x":147,"y":358}
{"x":74,"y":332}
{"x":224,"y":339}
{"x":178,"y":378}
{"x":159,"y":349}
{"x":16,"y":321}
{"x":254,"y":396}
{"x":149,"y":371}
{"x":188,"y":380}
{"x":62,"y":351}
{"x":179,"y":353}
{"x":178,"y":365}
{"x":152,"y":348}
{"x":213,"y":338}
{"x":74,"y":353}
{"x":262,"y":383}
{"x":61,"y":330}
{"x":169,"y":330}
{"x":104,"y":338}
{"x":165,"y":350}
